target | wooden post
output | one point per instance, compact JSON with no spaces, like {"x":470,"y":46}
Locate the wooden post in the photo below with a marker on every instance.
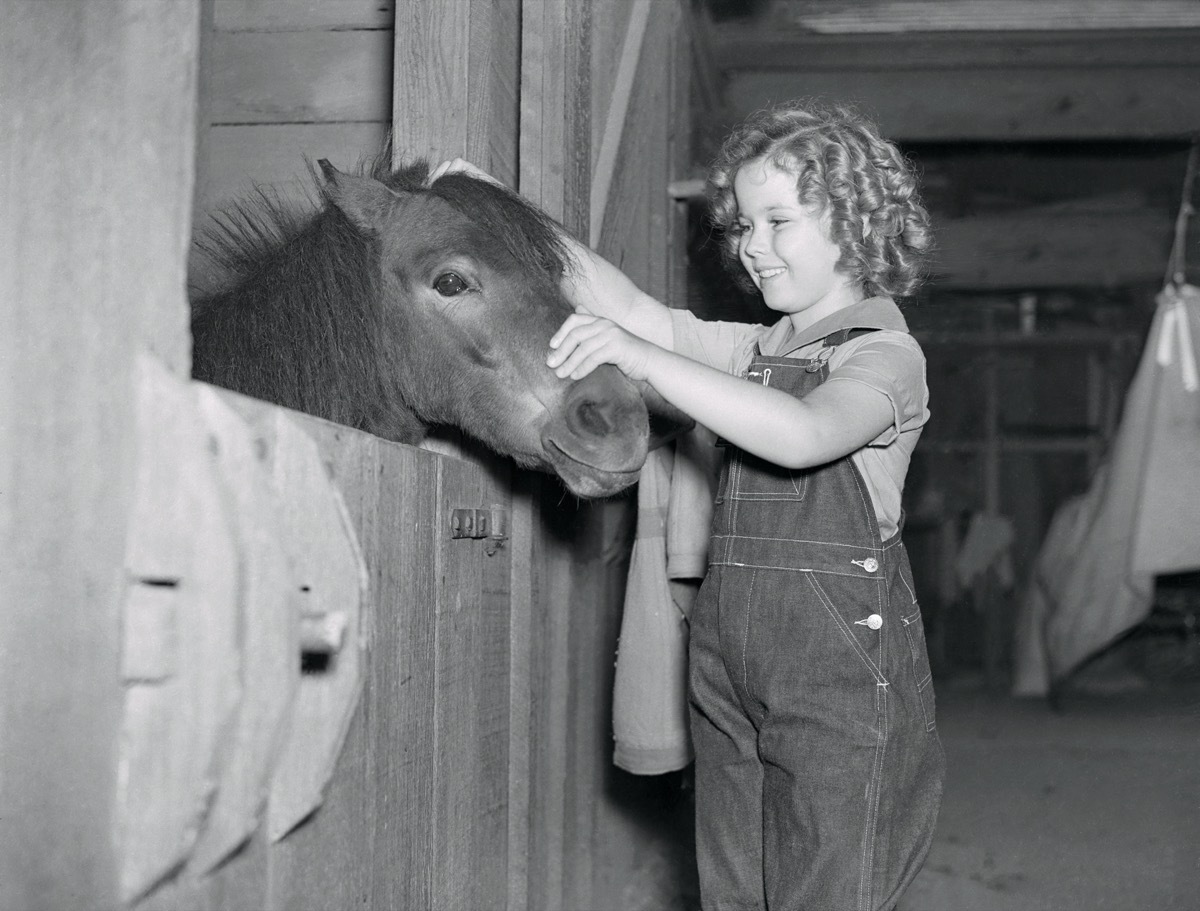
{"x":96,"y":140}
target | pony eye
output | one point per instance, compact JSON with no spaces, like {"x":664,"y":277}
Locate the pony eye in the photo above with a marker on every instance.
{"x":449,"y":284}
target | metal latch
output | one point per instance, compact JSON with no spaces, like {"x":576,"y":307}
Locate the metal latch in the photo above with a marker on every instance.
{"x":491,"y":524}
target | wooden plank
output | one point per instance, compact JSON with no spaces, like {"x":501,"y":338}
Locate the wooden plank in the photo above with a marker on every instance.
{"x":980,"y":104}
{"x":402,"y":683}
{"x":1049,"y":249}
{"x":522,"y":636}
{"x":555,"y":160}
{"x":241,"y":157}
{"x":470,"y":813}
{"x":325,"y":862}
{"x":855,"y":17}
{"x":302,"y":15}
{"x":96,"y":136}
{"x":448,"y":103}
{"x":556,"y":52}
{"x":618,"y":110}
{"x":752,"y":46}
{"x":301,"y":77}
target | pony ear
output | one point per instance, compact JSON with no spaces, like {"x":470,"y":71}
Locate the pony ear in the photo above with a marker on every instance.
{"x":363,"y":200}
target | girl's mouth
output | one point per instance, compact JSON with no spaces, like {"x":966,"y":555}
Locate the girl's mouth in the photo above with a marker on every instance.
{"x":764,"y":274}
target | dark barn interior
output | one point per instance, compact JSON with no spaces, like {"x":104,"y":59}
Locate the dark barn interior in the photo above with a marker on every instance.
{"x":462,"y":730}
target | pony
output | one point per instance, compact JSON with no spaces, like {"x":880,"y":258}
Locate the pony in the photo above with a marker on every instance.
{"x":394,"y":307}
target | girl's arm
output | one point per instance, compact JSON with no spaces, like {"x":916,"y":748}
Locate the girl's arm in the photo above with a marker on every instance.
{"x":598,"y":287}
{"x":832,"y":421}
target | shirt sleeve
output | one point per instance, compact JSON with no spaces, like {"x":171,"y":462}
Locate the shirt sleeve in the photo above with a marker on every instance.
{"x":892,"y":363}
{"x":721,"y":345}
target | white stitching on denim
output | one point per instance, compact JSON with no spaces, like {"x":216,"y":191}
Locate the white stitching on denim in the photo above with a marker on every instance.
{"x":795,"y":541}
{"x":846,"y":632}
{"x":868,"y":861}
{"x":746,"y":632}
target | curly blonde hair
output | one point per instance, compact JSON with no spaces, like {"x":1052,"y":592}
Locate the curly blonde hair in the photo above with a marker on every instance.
{"x":844,"y":168}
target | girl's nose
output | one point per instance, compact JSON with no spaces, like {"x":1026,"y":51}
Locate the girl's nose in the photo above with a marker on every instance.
{"x":753,"y":244}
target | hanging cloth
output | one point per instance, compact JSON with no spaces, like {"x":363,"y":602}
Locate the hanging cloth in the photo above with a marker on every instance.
{"x":1167,"y":531}
{"x":650,"y":706}
{"x":1093,"y":578}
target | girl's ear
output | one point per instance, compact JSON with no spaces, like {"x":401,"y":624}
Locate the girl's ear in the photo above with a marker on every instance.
{"x":363,"y":200}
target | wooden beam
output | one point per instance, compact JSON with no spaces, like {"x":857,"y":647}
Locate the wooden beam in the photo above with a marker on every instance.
{"x":301,"y":77}
{"x":742,"y":46}
{"x":874,"y":16}
{"x":96,"y":135}
{"x":1052,"y":249}
{"x":243,"y":156}
{"x":618,"y":110}
{"x":291,"y":16}
{"x":984,"y":104}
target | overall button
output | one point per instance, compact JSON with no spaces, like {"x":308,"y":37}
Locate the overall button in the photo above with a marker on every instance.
{"x":870,"y":565}
{"x":874,"y":621}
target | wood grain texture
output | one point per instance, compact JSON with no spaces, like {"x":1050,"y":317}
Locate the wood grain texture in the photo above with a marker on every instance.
{"x":269,"y":599}
{"x":302,"y":15}
{"x":1052,"y":249}
{"x":301,"y":77}
{"x":96,"y":134}
{"x":244,"y":157}
{"x":992,"y":104}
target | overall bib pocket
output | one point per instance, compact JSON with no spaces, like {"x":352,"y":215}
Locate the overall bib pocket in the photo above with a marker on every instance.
{"x":752,"y":478}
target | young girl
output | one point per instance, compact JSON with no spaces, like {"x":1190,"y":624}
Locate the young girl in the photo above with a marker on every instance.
{"x":818,"y":767}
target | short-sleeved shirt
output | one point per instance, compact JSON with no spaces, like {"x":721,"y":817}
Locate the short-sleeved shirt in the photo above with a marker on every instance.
{"x":888,"y":360}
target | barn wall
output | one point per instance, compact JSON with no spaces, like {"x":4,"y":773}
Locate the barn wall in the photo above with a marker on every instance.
{"x":474,"y":770}
{"x":284,"y":80}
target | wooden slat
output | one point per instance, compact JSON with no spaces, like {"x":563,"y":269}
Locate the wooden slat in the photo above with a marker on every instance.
{"x":852,"y":17}
{"x":736,"y":46}
{"x":456,"y":79}
{"x":1020,"y":104}
{"x":301,"y":77}
{"x":370,"y":842}
{"x":302,"y":15}
{"x":469,"y":863}
{"x":618,"y":110}
{"x":243,"y":156}
{"x":96,"y":136}
{"x":401,"y":501}
{"x":1049,"y":249}
{"x":555,"y":173}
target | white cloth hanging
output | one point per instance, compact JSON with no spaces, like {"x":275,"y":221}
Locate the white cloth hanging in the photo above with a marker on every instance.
{"x":1094,"y":576}
{"x":650,"y":709}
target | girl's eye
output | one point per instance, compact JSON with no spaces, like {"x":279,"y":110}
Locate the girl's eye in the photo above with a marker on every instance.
{"x":449,"y":284}
{"x":739,"y":229}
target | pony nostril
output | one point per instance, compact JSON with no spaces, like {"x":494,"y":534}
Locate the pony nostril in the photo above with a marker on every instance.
{"x":592,"y":418}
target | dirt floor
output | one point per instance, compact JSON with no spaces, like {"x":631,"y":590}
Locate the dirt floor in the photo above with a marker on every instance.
{"x":1092,"y":805}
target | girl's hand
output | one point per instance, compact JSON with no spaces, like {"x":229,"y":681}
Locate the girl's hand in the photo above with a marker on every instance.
{"x":584,"y":342}
{"x":461,"y":166}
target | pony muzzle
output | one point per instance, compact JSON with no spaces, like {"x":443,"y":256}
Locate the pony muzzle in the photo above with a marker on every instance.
{"x":601,"y":429}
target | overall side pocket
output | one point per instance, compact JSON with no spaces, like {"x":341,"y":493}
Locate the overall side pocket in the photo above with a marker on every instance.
{"x":914,"y":632}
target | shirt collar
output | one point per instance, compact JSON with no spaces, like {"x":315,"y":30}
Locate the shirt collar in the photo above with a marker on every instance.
{"x":872,"y":313}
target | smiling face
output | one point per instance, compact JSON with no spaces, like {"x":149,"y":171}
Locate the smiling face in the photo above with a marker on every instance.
{"x":786,"y":249}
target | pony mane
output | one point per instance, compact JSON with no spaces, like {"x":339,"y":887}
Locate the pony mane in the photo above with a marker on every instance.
{"x":286,"y":304}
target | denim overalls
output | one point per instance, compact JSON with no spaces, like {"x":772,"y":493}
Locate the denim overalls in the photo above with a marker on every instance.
{"x":818,"y":766}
